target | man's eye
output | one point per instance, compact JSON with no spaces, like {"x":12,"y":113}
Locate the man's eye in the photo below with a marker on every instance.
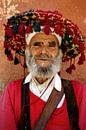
{"x":52,"y":44}
{"x":37,"y":44}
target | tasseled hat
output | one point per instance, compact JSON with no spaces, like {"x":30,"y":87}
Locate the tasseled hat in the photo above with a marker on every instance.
{"x":22,"y":27}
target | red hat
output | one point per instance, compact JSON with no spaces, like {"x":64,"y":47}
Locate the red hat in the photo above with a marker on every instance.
{"x":33,"y":21}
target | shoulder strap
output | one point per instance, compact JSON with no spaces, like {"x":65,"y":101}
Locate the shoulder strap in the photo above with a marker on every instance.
{"x":72,"y":107}
{"x":49,"y":108}
{"x":25,"y":105}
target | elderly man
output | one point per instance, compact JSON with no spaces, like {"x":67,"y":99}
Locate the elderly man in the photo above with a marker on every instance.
{"x":43,"y":100}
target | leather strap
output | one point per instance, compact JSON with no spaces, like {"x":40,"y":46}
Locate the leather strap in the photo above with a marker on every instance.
{"x":49,"y":108}
{"x":25,"y":119}
{"x":72,"y":106}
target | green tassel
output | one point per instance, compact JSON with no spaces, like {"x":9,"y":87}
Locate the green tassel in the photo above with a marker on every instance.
{"x":16,"y":61}
{"x":6,"y":51}
{"x":37,"y":27}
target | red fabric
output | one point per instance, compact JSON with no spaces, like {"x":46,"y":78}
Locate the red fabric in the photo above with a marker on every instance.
{"x":10,"y":108}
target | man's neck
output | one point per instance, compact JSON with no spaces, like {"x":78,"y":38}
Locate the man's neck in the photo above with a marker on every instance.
{"x":41,"y":80}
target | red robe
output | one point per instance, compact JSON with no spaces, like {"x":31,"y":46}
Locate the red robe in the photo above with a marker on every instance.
{"x":10,"y":108}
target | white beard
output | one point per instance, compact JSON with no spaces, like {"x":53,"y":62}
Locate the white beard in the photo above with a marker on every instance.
{"x":38,"y":71}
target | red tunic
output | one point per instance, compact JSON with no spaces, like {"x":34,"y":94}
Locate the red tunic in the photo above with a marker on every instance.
{"x":10,"y":108}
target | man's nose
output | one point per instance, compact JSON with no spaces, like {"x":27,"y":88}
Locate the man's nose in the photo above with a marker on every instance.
{"x":44,"y":50}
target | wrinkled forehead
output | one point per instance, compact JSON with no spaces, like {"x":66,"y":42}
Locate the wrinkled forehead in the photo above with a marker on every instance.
{"x":42,"y":37}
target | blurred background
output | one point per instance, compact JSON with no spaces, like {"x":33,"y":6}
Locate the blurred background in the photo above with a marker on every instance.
{"x":71,"y":9}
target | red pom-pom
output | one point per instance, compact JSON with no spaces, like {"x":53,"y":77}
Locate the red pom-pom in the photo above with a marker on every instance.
{"x":73,"y":67}
{"x":81,"y":47}
{"x":10,"y":57}
{"x":8,"y":31}
{"x":21,"y":29}
{"x":28,"y":29}
{"x":70,"y":31}
{"x":47,"y":30}
{"x":75,"y":40}
{"x":81,"y":58}
{"x":5,"y":44}
{"x":69,"y":70}
{"x":58,"y":30}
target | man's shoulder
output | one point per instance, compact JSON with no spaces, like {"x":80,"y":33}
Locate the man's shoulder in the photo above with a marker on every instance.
{"x":77,"y":85}
{"x":79,"y":90}
{"x":12,"y":90}
{"x":15,"y":82}
{"x":14,"y":85}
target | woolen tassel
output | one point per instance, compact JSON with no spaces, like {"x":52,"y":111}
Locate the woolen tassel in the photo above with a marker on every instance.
{"x":73,"y":67}
{"x":10,"y":57}
{"x":69,"y":70}
{"x":16,"y":61}
{"x":37,"y":27}
{"x":6,"y":51}
{"x":81,"y":59}
{"x":58,"y":30}
{"x":5,"y":44}
{"x":15,"y":28}
{"x":47,"y":30}
{"x":21,"y":29}
{"x":8,"y":31}
{"x":73,"y":64}
{"x":28,"y":29}
{"x":81,"y":47}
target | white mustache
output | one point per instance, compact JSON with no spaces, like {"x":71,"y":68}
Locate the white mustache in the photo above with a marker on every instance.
{"x":44,"y":57}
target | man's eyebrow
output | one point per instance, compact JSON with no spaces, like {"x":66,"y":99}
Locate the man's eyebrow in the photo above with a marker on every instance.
{"x":37,"y":42}
{"x":52,"y":42}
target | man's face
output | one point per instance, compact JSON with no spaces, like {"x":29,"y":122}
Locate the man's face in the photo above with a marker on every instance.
{"x":43,"y":56}
{"x":44,"y":48}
